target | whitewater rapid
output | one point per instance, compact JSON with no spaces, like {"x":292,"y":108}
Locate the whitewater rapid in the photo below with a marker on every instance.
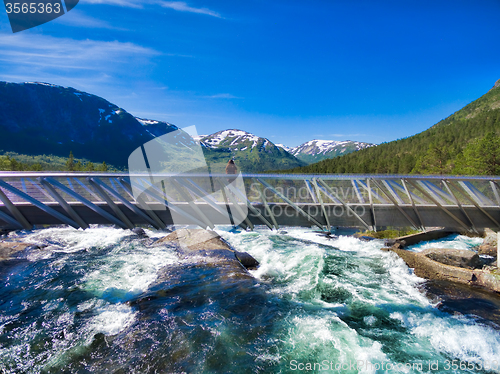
{"x":330,"y":302}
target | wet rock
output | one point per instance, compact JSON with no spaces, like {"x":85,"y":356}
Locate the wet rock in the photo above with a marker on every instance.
{"x":361,"y":236}
{"x":208,"y":246}
{"x":489,"y":246}
{"x":365,"y":238}
{"x":140,"y":232}
{"x":195,"y":239}
{"x":427,"y":268}
{"x":247,"y":260}
{"x":326,"y":234}
{"x":455,"y":257}
{"x":203,"y":252}
{"x":476,"y":303}
{"x":8,"y":249}
{"x":397,"y":243}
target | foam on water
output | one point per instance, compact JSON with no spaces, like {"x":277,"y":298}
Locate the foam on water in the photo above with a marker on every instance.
{"x":69,"y":240}
{"x":454,"y":241}
{"x":112,"y":319}
{"x":127,"y":271}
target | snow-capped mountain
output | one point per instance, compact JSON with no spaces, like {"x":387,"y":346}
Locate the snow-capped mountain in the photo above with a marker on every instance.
{"x":241,"y":144}
{"x":250,"y":152}
{"x":317,"y":150}
{"x":234,"y":140}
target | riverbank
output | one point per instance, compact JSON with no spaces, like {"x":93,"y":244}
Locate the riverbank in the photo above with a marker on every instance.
{"x":455,"y":265}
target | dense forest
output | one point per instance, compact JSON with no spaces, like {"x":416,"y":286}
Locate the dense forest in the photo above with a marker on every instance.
{"x":467,"y":142}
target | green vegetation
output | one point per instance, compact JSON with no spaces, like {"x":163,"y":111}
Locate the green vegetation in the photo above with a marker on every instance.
{"x":389,"y":234}
{"x":11,"y":161}
{"x":467,"y":142}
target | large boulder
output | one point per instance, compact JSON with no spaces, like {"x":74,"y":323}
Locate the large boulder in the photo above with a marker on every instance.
{"x":195,"y":239}
{"x":208,"y":246}
{"x":489,"y":246}
{"x":455,"y":257}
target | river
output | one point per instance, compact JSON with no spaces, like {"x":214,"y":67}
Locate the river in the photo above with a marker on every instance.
{"x":82,"y":304}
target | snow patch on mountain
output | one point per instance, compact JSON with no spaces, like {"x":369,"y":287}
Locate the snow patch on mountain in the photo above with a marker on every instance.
{"x":43,"y":84}
{"x":288,"y":149}
{"x":323,"y":147}
{"x":231,"y":139}
{"x":198,"y":138}
{"x":146,"y":122}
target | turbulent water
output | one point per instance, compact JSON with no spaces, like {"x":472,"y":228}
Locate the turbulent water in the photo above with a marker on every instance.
{"x":84,"y":304}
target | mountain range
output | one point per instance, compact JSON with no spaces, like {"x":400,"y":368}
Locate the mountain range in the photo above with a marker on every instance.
{"x":317,"y":150}
{"x":46,"y":119}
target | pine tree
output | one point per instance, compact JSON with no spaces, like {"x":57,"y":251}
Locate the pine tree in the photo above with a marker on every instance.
{"x":103,"y":166}
{"x":482,"y":156}
{"x":5,"y":163}
{"x":435,"y":161}
{"x":89,"y":166}
{"x":70,"y":164}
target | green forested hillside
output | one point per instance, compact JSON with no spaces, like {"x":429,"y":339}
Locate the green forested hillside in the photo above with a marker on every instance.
{"x":11,"y":161}
{"x":467,"y":142}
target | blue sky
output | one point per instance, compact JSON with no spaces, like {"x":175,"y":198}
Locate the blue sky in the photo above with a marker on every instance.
{"x":287,"y":70}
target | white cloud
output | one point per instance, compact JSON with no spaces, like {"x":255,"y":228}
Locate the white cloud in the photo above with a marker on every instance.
{"x":65,"y":53}
{"x":181,"y":6}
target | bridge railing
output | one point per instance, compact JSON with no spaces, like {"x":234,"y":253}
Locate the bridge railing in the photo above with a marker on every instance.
{"x":367,"y":201}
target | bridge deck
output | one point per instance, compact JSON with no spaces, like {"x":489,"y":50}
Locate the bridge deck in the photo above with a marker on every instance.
{"x":30,"y":200}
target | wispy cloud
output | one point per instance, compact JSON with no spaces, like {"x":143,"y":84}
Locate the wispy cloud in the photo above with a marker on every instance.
{"x":122,"y":3}
{"x":89,"y":65}
{"x":181,"y":6}
{"x":60,"y":53}
{"x":222,"y":96}
{"x":77,"y":18}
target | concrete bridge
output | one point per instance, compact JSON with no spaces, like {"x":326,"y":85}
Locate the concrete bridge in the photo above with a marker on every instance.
{"x":30,"y":200}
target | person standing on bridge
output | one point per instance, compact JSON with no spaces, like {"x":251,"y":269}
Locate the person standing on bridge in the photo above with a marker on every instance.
{"x":231,"y":167}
